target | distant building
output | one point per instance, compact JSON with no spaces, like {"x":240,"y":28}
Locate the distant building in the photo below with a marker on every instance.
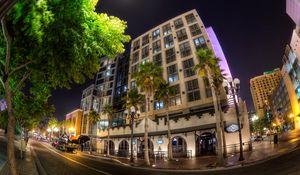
{"x":262,"y":88}
{"x":74,"y":120}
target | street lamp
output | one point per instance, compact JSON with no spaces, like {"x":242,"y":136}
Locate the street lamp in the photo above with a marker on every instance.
{"x":132,"y":114}
{"x":232,"y":87}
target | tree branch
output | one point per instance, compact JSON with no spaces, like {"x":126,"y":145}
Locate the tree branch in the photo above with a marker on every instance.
{"x":8,"y":45}
{"x":19,"y":67}
{"x":25,"y":76}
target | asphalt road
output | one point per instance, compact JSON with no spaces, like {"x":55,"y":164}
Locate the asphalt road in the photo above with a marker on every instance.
{"x":60,"y":163}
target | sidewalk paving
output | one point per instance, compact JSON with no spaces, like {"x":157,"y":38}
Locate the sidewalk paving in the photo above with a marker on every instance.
{"x":25,"y":166}
{"x":261,"y":151}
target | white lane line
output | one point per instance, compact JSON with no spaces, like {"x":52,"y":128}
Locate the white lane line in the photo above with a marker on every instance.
{"x":91,"y":168}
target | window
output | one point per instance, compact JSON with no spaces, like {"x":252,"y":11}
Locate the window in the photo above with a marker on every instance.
{"x":207,"y":87}
{"x":136,"y":45}
{"x":195,"y":30}
{"x":145,"y":52}
{"x":132,"y":85}
{"x":185,"y":49}
{"x":192,"y":89}
{"x":178,"y":23}
{"x":134,"y":69}
{"x":188,"y":67}
{"x":200,"y":43}
{"x":156,"y":46}
{"x":181,"y":35}
{"x":168,"y":41}
{"x":176,"y":99}
{"x":158,"y":104}
{"x":155,"y":34}
{"x":145,"y":40}
{"x":167,"y":29}
{"x":172,"y":73}
{"x":135,"y":57}
{"x":157,"y":59}
{"x":170,"y":55}
{"x":190,"y":18}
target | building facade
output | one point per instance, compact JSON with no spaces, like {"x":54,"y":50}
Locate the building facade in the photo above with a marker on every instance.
{"x":88,"y":103}
{"x":74,"y":122}
{"x":291,"y":62}
{"x":172,"y":45}
{"x":262,"y":88}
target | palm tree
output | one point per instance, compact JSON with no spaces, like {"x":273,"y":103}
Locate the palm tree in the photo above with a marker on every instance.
{"x":148,"y":78}
{"x":207,"y":68}
{"x":163,"y":93}
{"x":134,"y":99}
{"x":219,"y":77}
{"x":108,"y":110}
{"x":93,"y":118}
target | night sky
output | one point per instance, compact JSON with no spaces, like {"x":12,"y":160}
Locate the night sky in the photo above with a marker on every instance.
{"x":253,"y":35}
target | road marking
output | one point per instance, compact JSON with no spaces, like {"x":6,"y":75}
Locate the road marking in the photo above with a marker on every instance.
{"x":91,"y":168}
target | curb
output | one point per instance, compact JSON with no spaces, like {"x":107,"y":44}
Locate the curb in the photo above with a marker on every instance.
{"x":242,"y":164}
{"x":38,"y":164}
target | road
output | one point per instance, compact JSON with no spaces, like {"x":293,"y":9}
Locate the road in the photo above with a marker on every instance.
{"x":60,"y":163}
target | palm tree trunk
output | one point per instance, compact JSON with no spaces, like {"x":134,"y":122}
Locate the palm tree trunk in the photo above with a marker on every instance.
{"x":146,"y":151}
{"x":92,"y":138}
{"x":170,"y":153}
{"x":11,"y":116}
{"x":222,"y":127}
{"x":108,"y":136}
{"x":220,"y":159}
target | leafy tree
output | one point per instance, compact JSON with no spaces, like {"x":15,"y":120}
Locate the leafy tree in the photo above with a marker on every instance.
{"x":108,"y":110}
{"x":207,"y":68}
{"x":163,"y":93}
{"x":148,"y":78}
{"x":48,"y":44}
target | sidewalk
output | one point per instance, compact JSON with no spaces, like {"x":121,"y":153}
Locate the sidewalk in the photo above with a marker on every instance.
{"x":25,"y":166}
{"x":263,"y":150}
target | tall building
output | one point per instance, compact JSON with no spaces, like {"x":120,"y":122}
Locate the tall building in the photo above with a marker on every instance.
{"x":172,"y":45}
{"x":291,"y":63}
{"x":120,"y":89}
{"x":88,"y":103}
{"x":280,"y":101}
{"x":262,"y":88}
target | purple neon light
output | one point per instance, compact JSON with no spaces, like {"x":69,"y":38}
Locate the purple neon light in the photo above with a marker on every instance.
{"x":293,"y":10}
{"x":218,"y":51}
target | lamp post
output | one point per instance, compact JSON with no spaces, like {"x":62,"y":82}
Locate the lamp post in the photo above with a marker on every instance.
{"x":232,"y":87}
{"x":132,"y":114}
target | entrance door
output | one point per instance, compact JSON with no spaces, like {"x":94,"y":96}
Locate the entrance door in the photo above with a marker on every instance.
{"x":205,"y":144}
{"x":111,"y":147}
{"x":123,"y":149}
{"x":179,"y":147}
{"x":141,"y":148}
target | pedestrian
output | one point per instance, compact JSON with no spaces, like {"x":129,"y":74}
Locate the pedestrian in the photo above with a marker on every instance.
{"x":275,"y":138}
